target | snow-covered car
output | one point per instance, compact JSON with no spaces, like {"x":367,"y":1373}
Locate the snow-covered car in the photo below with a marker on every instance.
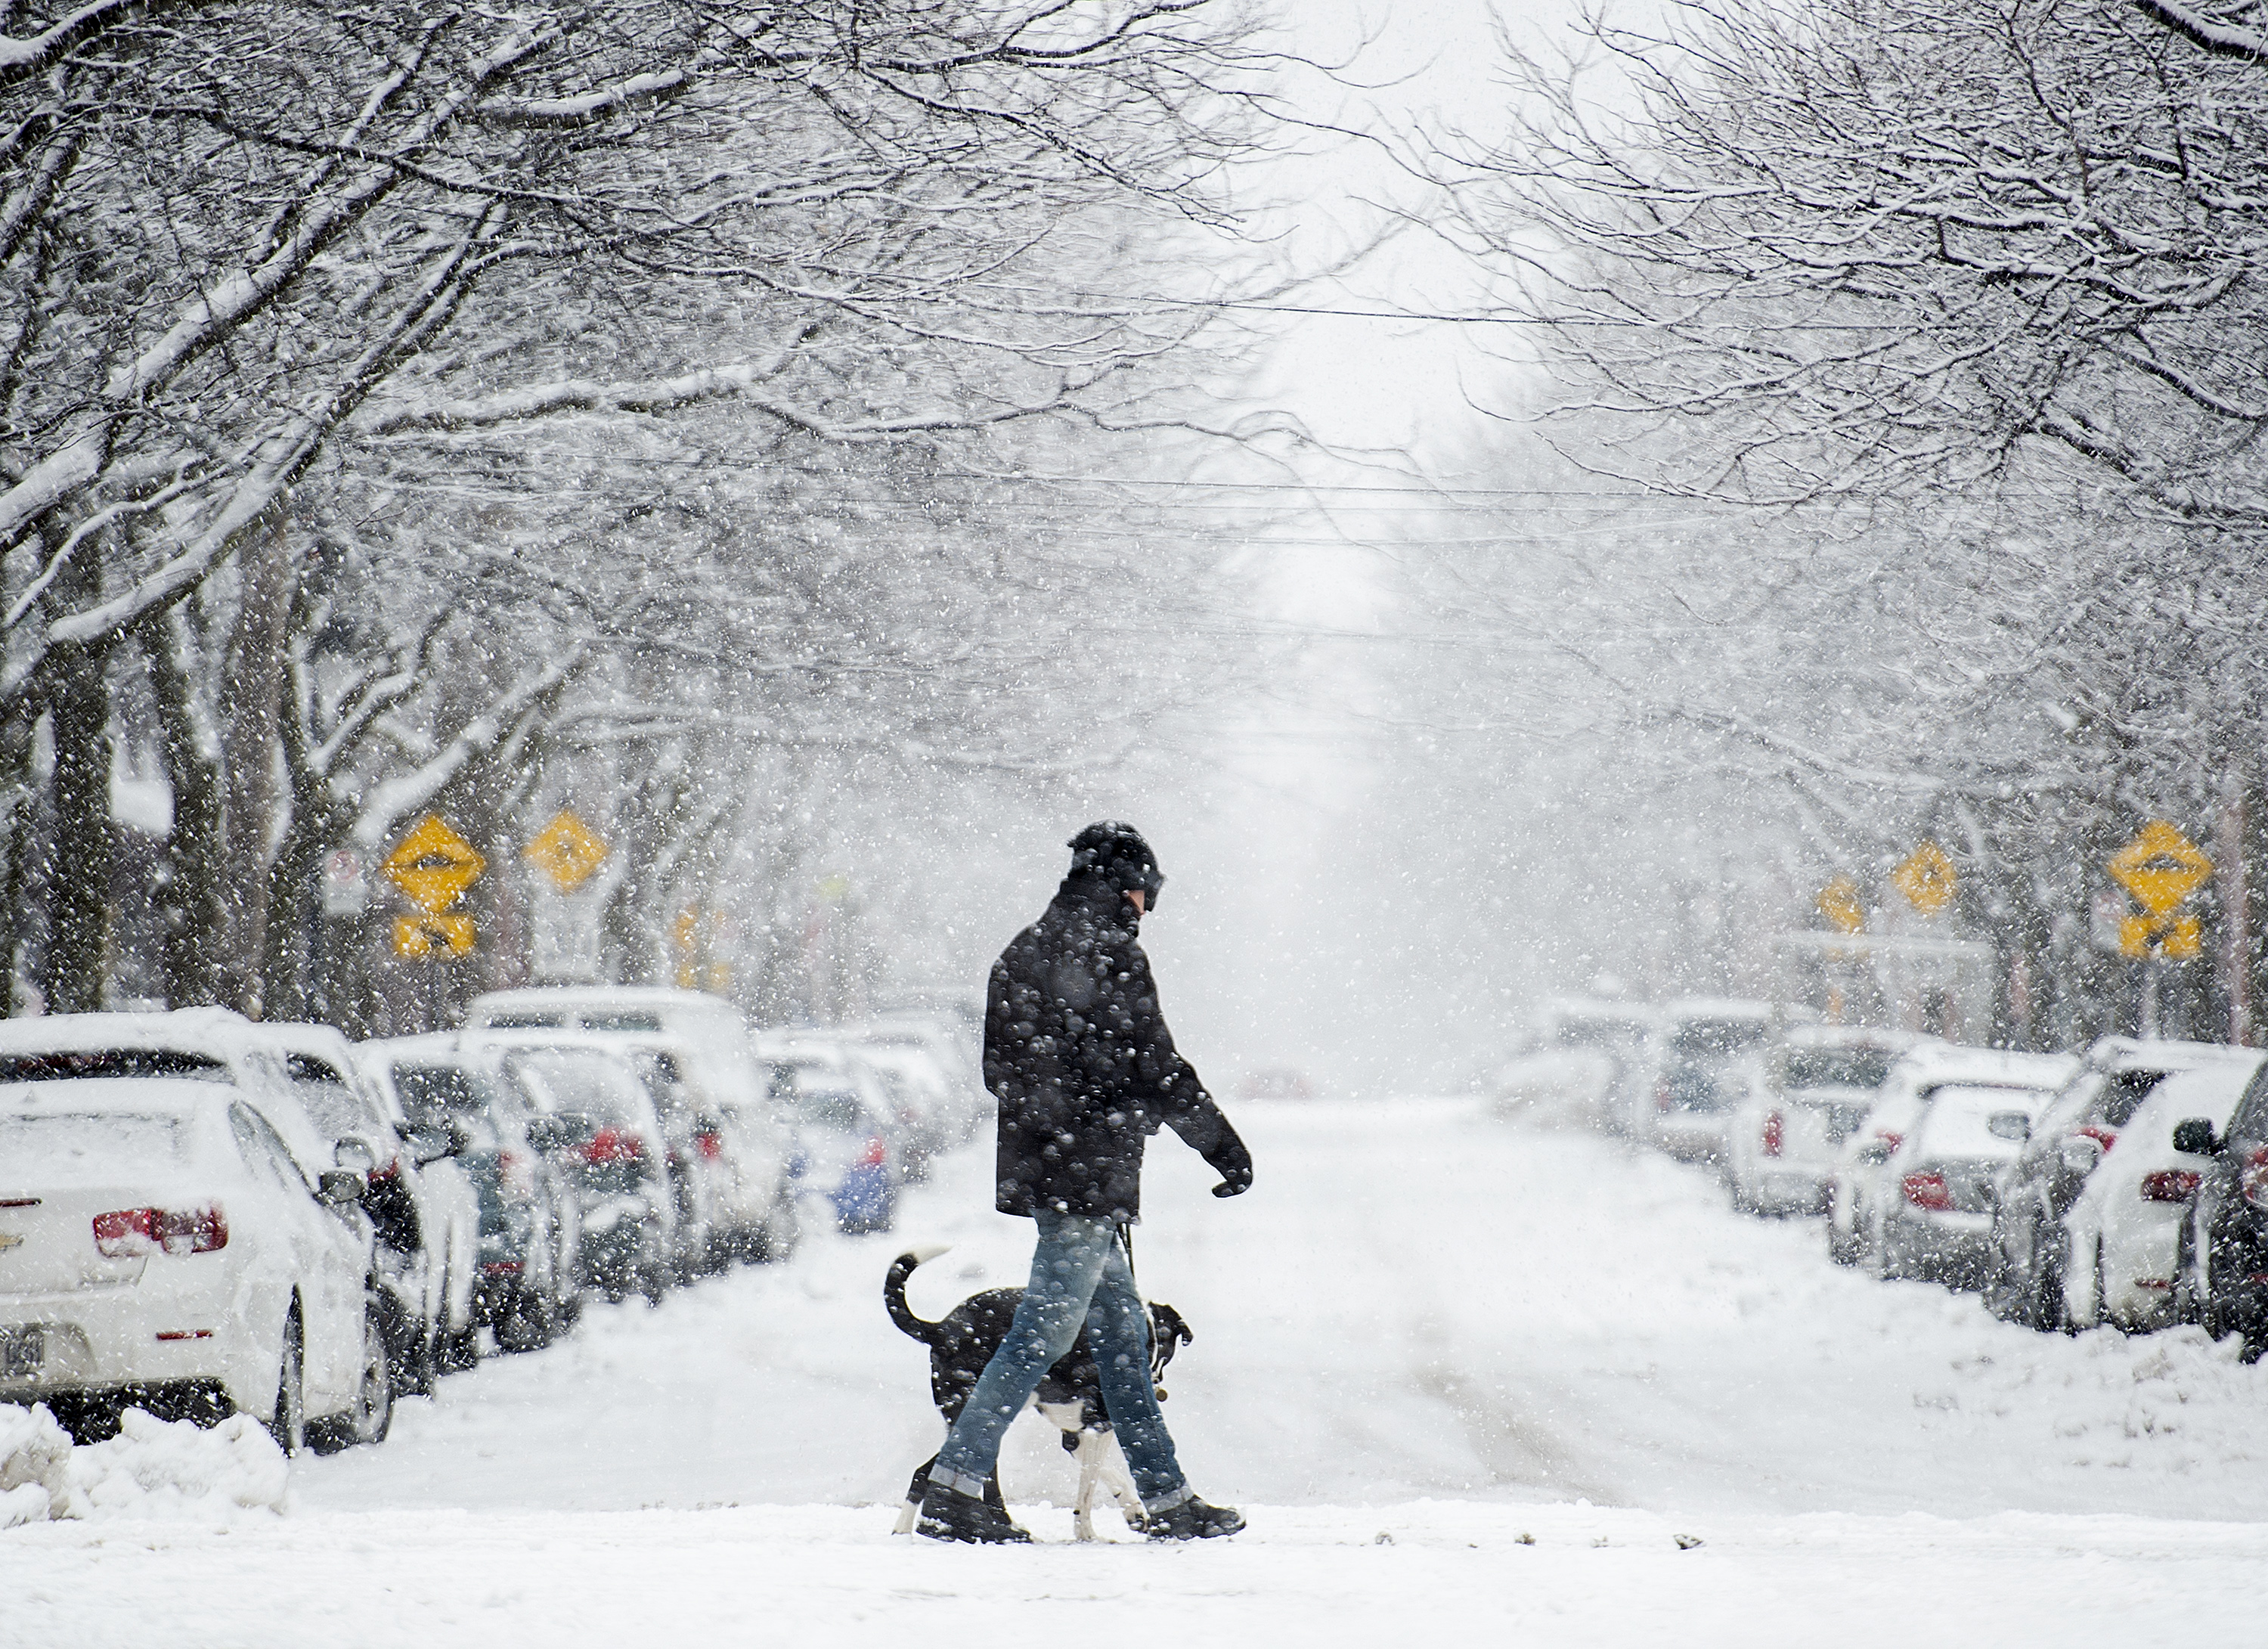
{"x":1799,"y":1102}
{"x":529,"y":1219}
{"x":1692,"y":1060}
{"x":1937,"y":1221}
{"x":1863,"y":1184}
{"x":615,"y":1156}
{"x":732,"y":1150}
{"x":2222,"y":1270}
{"x":161,"y":1243}
{"x":2072,"y":1137}
{"x":846,"y":1156}
{"x":909,"y":1113}
{"x":420,"y":1200}
{"x":952,"y":1044}
{"x":2124,"y":1231}
{"x":1575,"y":1064}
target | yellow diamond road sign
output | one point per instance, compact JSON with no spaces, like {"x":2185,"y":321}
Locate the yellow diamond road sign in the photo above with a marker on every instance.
{"x":2160,"y":867}
{"x":567,"y":850}
{"x":1840,"y":904}
{"x":1926,"y":878}
{"x":433,"y":865}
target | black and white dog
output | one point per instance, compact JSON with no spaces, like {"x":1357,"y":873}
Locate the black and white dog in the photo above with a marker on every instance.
{"x":1070,"y":1396}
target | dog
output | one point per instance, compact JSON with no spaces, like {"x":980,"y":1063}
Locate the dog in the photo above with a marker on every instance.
{"x":1070,"y":1396}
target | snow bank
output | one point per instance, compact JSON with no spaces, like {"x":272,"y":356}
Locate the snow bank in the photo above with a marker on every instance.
{"x":153,"y":1467}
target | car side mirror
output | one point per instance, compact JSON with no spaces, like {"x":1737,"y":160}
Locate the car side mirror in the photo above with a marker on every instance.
{"x":340,"y":1185}
{"x":354,"y":1154}
{"x":427,"y":1144}
{"x":2194,"y":1136}
{"x":2080,"y":1154}
{"x":1876,"y":1152}
{"x":2009,"y":1125}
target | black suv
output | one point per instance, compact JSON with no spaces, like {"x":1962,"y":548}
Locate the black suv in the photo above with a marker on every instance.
{"x":2221,"y":1274}
{"x":2030,"y":1253}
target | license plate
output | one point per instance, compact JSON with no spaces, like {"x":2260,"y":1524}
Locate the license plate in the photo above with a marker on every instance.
{"x":21,"y":1352}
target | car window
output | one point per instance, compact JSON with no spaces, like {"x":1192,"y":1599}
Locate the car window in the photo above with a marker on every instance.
{"x":258,"y":1147}
{"x":1700,"y":1038}
{"x":2123,"y":1094}
{"x":64,"y":1065}
{"x":837,"y":1108}
{"x":621,"y":1020}
{"x":66,"y":1147}
{"x":1835,"y":1067}
{"x":2252,"y":1119}
{"x":333,"y":1106}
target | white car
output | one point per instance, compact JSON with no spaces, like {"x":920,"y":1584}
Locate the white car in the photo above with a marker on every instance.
{"x":2124,"y":1231}
{"x":1936,"y":1222}
{"x":1683,"y":1092}
{"x":740,"y":1197}
{"x":423,"y":1206}
{"x":1800,"y":1101}
{"x":161,"y":1245}
{"x":1862,"y":1181}
{"x":1576,"y":1065}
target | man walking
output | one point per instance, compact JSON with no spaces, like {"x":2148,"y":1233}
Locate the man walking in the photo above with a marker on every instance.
{"x":1079,"y":1057}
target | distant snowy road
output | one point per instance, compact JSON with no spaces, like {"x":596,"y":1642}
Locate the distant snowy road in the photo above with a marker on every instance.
{"x":1421,"y":1323}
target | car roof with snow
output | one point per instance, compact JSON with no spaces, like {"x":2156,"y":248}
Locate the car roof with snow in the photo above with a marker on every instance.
{"x":1934,"y":1064}
{"x":2121,"y":1054}
{"x":197,"y":1107}
{"x":603,"y":1008}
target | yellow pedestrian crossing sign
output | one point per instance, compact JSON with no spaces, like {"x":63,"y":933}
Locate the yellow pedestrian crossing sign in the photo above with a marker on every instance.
{"x":433,"y":865}
{"x":1839,"y":902}
{"x":567,"y":850}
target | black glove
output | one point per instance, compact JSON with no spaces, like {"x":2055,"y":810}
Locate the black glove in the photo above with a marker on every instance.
{"x":1236,"y":1176}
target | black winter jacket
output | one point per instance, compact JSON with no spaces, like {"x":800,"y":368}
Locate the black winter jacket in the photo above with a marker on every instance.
{"x":1079,"y":1057}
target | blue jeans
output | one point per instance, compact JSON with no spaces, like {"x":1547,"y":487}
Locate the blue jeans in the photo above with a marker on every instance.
{"x":1079,"y":1275}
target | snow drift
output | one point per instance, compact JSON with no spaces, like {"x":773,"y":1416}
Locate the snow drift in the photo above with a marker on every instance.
{"x":153,"y":1467}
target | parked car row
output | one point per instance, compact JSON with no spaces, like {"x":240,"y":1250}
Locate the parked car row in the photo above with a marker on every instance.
{"x":201,"y":1215}
{"x":2125,"y":1186}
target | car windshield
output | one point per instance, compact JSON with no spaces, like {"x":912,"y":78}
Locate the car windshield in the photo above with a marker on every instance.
{"x":597,"y":1087}
{"x":71,"y":1146}
{"x":1601,"y":1033}
{"x":1958,"y":1124}
{"x":432,"y":1094}
{"x":63,"y":1064}
{"x":2123,"y":1094}
{"x":1835,"y":1067}
{"x":1702,"y":1038}
{"x":837,"y":1108}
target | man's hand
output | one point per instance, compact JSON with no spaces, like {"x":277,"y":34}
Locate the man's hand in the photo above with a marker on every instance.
{"x":1235,"y":1180}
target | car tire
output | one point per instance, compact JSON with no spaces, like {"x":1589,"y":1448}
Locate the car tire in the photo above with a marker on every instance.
{"x":371,"y":1416}
{"x":529,"y":1324}
{"x":417,"y":1358}
{"x":287,"y":1424}
{"x":2048,"y":1314}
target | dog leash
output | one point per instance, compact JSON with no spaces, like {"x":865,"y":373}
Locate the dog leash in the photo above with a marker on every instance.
{"x":1126,"y":1241}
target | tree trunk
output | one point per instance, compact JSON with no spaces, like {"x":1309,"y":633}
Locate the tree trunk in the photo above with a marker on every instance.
{"x":251,"y":718}
{"x":77,"y":965}
{"x":194,"y":916}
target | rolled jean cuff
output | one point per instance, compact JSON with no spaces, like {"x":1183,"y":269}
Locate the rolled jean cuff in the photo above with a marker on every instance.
{"x":958,"y":1482}
{"x":1167,"y":1502}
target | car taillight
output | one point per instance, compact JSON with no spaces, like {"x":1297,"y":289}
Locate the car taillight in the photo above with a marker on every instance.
{"x":389,"y":1171}
{"x":1891,"y":1141}
{"x":130,"y":1231}
{"x":1773,"y":1125}
{"x":2103,"y":1136}
{"x":612,"y":1144}
{"x":709,"y":1146}
{"x":2170,"y":1185}
{"x":876,"y":1153}
{"x":1927,"y":1190}
{"x":2254,"y":1179}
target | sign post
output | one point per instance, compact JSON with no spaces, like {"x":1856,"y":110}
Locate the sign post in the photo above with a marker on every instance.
{"x":2160,"y":869}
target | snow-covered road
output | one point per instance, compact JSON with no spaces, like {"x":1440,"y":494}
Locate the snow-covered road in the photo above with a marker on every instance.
{"x":1422,"y":1325}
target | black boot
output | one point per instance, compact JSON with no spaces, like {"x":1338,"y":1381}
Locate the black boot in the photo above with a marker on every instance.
{"x":949,"y":1514}
{"x":1192,"y":1520}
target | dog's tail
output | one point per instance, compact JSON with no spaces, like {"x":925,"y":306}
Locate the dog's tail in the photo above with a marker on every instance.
{"x":893,"y":1294}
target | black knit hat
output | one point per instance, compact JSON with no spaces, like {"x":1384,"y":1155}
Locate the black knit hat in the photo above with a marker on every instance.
{"x":1118,"y":852}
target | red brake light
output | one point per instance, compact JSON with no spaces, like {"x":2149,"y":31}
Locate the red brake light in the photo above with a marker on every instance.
{"x":711,"y":1145}
{"x":2103,"y":1136}
{"x":2170,"y":1185}
{"x":2253,"y":1182}
{"x":877,"y":1153}
{"x":1890,"y":1139}
{"x":126,"y":1231}
{"x":1927,"y":1190}
{"x":613,"y":1145}
{"x":1773,"y":1127}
